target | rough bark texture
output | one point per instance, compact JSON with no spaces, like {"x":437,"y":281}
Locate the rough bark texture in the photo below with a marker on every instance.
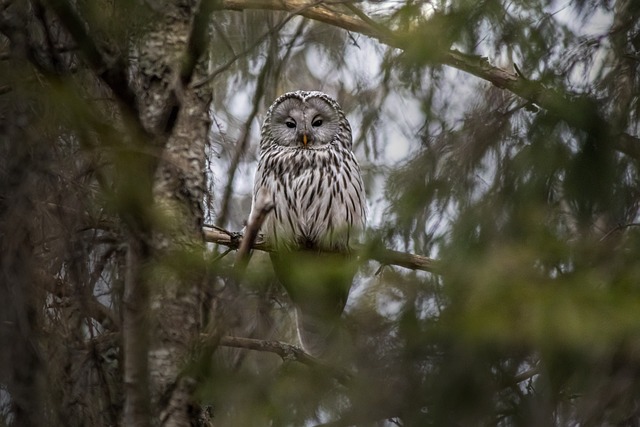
{"x":177,"y":116}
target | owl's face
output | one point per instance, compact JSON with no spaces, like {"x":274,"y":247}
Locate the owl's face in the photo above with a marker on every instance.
{"x":304,"y":120}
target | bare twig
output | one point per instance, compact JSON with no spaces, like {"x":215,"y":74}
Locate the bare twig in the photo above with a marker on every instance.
{"x":365,"y":18}
{"x":293,"y":13}
{"x":404,"y":259}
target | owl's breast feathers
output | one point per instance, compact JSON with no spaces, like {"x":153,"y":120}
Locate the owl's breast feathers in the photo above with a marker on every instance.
{"x":318,"y":197}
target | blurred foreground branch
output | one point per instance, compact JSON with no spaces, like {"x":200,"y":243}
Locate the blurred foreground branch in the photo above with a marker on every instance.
{"x":384,"y":256}
{"x":561,"y":103}
{"x":263,"y":205}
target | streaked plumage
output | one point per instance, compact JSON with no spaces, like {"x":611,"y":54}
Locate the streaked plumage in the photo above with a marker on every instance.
{"x":307,"y":166}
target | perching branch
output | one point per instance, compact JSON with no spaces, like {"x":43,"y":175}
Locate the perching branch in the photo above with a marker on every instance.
{"x":384,"y":256}
{"x":579,"y":111}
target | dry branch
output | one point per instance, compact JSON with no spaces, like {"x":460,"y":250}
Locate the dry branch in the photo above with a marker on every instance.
{"x":286,"y":351}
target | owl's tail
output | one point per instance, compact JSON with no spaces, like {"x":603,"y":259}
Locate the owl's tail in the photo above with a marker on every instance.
{"x":318,"y":284}
{"x":319,"y":336}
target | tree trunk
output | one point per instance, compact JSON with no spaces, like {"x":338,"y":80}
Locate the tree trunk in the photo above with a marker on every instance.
{"x":176,"y":115}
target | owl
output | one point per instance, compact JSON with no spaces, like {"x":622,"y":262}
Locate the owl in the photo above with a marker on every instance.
{"x":307,"y":167}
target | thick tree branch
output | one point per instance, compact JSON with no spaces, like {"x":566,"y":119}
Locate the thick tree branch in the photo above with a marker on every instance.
{"x":404,"y":259}
{"x":384,"y":256}
{"x":579,"y":111}
{"x":284,"y":350}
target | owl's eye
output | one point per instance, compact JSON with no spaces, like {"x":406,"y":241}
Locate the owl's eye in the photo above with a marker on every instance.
{"x":290,"y":123}
{"x":316,"y":123}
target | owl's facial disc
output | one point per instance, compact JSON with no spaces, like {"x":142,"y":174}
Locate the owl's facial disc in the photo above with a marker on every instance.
{"x":309,"y":124}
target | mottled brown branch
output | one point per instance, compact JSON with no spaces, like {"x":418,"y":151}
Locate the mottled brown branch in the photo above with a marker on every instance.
{"x":384,"y":256}
{"x":404,"y":259}
{"x":286,"y":351}
{"x":578,"y":111}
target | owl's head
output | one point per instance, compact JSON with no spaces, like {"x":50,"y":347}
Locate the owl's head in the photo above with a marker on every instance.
{"x":305,"y":120}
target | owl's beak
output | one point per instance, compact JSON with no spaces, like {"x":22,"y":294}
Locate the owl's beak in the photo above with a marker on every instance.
{"x":304,"y":139}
